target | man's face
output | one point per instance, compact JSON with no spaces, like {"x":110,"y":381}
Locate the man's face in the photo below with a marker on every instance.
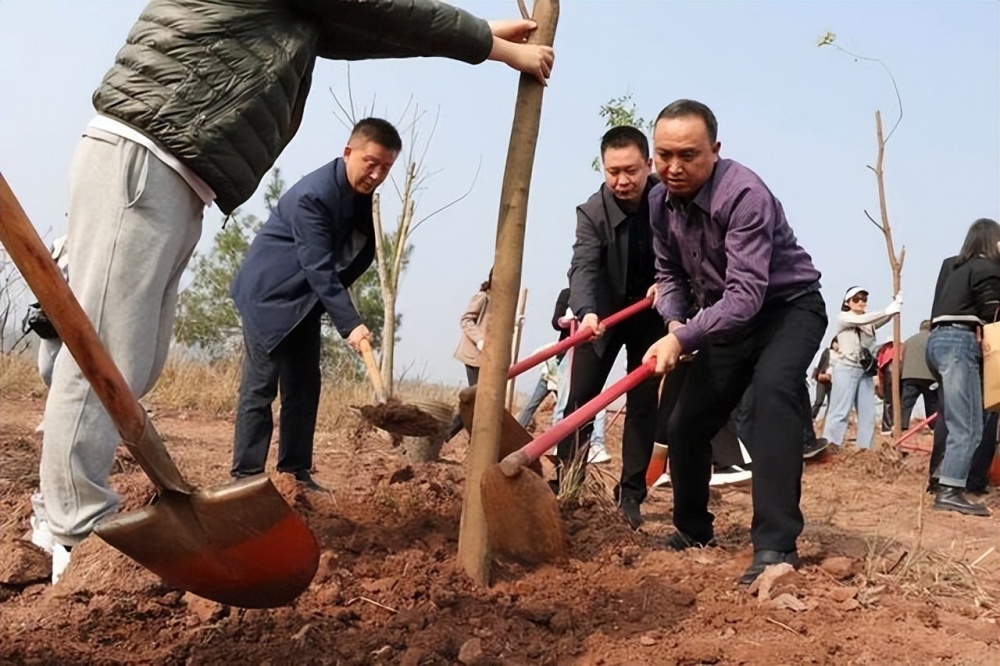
{"x":625,"y":172}
{"x":683,"y":155}
{"x":368,"y":164}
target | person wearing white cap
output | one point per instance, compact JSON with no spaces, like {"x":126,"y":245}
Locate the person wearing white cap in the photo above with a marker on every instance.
{"x":853,"y":383}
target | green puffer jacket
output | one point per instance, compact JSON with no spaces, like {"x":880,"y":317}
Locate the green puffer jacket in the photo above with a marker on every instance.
{"x":221,"y":84}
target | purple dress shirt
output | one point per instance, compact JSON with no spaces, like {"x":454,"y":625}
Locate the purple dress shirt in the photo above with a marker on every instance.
{"x":727,"y":251}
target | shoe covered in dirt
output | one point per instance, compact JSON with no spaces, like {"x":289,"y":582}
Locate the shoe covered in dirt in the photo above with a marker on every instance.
{"x":40,"y":535}
{"x":814,"y":448}
{"x":728,"y":476}
{"x":949,"y":498}
{"x":60,"y":560}
{"x":304,"y":478}
{"x":680,"y":541}
{"x":762,"y":559}
{"x":628,"y":507}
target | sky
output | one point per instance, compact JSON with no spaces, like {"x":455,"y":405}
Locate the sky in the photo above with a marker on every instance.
{"x":802,"y":117}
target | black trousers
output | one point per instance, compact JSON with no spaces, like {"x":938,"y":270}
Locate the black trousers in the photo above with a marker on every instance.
{"x":744,"y":412}
{"x":472,"y":374}
{"x":588,"y":374}
{"x":292,"y":369}
{"x":822,"y":395}
{"x":887,"y":398}
{"x":909,"y":391}
{"x":726,"y":450}
{"x":771,"y":354}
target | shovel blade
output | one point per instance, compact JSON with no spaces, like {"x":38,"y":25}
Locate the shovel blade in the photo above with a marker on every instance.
{"x":513,"y":436}
{"x":238,"y":544}
{"x":522,"y":517}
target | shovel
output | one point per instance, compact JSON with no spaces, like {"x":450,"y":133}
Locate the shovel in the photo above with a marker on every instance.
{"x":238,"y":544}
{"x":512,"y":431}
{"x":414,"y":418}
{"x":522,"y":513}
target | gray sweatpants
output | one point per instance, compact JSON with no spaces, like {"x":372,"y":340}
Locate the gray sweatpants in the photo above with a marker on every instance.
{"x":133,"y":224}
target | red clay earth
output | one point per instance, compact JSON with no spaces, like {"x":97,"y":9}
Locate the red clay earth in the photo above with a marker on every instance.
{"x":886,"y":579}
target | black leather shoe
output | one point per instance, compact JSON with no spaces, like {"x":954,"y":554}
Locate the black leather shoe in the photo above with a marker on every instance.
{"x":304,"y":479}
{"x":950,"y":498}
{"x":932,"y":485}
{"x":629,"y":508}
{"x":680,"y":541}
{"x":814,"y":448}
{"x":765,"y":558}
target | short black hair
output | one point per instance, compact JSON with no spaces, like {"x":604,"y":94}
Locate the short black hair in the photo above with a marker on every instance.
{"x":378,"y":130}
{"x":688,"y":107}
{"x":624,"y":136}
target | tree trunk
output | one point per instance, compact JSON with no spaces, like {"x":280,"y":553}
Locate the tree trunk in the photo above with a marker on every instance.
{"x":474,"y":549}
{"x":897,"y":272}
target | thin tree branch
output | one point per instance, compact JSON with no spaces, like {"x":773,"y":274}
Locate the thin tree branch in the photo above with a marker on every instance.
{"x":872,"y":219}
{"x":453,"y":202}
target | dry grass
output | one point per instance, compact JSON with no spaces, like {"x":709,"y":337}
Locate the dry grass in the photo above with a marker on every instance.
{"x":19,"y":376}
{"x":213,"y":388}
{"x":931,"y":575}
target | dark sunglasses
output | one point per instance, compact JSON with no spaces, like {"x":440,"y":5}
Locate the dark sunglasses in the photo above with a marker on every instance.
{"x":859,"y":299}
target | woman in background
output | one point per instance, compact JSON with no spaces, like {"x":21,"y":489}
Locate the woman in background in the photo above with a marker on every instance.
{"x":967,"y":295}
{"x":853,"y":385}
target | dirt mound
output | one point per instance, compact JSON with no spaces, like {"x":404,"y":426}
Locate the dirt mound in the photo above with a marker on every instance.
{"x":883,"y":576}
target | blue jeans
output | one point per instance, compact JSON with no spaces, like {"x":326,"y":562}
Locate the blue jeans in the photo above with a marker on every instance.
{"x":851,"y":388}
{"x":526,"y":414}
{"x":562,"y":390}
{"x":954,"y":357}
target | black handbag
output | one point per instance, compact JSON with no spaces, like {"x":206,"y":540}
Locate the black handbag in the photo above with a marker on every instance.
{"x":865,"y":358}
{"x":36,"y":320}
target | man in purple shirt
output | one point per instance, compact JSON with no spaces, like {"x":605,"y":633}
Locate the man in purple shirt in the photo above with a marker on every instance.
{"x":722,"y":243}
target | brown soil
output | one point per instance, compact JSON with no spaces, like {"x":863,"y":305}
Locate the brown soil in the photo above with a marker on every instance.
{"x":886,"y":579}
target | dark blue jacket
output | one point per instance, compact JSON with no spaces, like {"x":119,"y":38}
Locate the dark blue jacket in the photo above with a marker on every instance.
{"x":317,"y":242}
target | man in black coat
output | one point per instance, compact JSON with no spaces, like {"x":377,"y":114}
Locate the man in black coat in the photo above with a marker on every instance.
{"x":612,"y":267}
{"x":319,"y":239}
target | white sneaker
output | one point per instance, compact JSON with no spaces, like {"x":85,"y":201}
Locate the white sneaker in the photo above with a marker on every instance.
{"x":40,"y":534}
{"x":598,"y":456}
{"x":664,"y":480}
{"x":60,"y":560}
{"x":728,"y":476}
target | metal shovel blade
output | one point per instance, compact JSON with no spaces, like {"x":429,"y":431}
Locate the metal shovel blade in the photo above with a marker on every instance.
{"x":239,"y":544}
{"x":522,"y":517}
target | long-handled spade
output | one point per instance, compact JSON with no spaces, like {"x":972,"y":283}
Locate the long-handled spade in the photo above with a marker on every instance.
{"x":410,"y":418}
{"x":238,"y":544}
{"x":512,"y":434}
{"x":522,"y":514}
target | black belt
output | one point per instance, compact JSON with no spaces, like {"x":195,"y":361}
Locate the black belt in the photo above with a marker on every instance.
{"x":968,"y":326}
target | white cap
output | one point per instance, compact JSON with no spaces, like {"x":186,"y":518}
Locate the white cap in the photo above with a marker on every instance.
{"x":854,"y":291}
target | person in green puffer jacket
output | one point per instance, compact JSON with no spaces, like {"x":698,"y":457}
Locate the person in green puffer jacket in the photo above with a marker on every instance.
{"x":197,"y":107}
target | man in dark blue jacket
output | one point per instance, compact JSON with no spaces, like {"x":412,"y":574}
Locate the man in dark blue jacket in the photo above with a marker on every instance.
{"x":317,"y":242}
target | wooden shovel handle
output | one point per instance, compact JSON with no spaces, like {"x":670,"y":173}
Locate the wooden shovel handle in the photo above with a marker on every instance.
{"x":536,"y":447}
{"x":46,"y":281}
{"x":374,"y":374}
{"x":577,"y":338}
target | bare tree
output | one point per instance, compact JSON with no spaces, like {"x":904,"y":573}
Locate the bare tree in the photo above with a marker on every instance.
{"x":895,"y":260}
{"x":392,"y":248}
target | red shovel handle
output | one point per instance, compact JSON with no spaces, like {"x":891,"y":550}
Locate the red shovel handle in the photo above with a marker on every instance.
{"x":577,"y":338}
{"x":536,"y":447}
{"x":915,"y":429}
